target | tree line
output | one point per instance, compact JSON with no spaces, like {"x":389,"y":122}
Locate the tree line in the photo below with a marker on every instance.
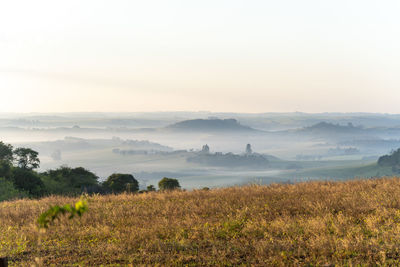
{"x":391,"y":160}
{"x":19,"y":178}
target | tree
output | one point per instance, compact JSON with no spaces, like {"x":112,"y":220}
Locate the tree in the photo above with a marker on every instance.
{"x":27,"y":180}
{"x":27,"y":158}
{"x":5,"y":169}
{"x":168,"y":184}
{"x":119,"y":182}
{"x":6,"y":152}
{"x":66,"y":180}
{"x":392,"y":159}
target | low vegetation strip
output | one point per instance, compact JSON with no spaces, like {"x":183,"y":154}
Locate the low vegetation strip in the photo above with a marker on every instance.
{"x":311,"y":224}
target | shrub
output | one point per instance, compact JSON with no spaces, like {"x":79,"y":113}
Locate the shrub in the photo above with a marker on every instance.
{"x":8,"y":191}
{"x":151,"y":188}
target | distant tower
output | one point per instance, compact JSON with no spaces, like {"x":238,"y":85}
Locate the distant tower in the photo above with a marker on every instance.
{"x":248,"y":149}
{"x":205,"y":149}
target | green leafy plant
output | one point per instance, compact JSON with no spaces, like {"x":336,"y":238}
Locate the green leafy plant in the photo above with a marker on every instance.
{"x":54,"y":212}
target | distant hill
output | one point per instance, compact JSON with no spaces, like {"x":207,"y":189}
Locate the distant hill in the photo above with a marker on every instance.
{"x":76,"y":144}
{"x":325,"y":127}
{"x":213,"y":125}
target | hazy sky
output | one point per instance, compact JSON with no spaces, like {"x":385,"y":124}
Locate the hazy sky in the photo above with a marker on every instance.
{"x":244,"y":56}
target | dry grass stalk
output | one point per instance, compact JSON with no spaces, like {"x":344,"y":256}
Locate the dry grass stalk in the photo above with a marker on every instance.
{"x":313,"y":223}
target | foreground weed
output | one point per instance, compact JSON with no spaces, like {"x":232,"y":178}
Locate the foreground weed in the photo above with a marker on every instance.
{"x":54,"y":212}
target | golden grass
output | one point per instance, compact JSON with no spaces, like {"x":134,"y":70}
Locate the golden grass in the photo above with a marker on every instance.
{"x":312,"y":224}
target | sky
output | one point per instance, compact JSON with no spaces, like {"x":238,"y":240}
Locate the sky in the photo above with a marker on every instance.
{"x":210,"y":55}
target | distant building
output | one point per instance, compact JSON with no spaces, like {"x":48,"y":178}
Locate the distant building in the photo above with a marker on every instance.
{"x":248,"y":149}
{"x":205,"y":149}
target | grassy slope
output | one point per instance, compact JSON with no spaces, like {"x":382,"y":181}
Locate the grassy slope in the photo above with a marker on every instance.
{"x":308,"y":223}
{"x":343,"y":172}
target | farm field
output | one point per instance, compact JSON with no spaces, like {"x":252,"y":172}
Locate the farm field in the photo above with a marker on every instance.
{"x":306,"y":224}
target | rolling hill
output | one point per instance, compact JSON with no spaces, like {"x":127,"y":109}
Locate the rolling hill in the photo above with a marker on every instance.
{"x":210,"y":125}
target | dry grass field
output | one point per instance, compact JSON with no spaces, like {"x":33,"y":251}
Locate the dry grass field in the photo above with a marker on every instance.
{"x":306,"y":224}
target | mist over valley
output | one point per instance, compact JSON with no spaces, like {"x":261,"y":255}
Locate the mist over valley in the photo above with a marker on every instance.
{"x":285,"y":147}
